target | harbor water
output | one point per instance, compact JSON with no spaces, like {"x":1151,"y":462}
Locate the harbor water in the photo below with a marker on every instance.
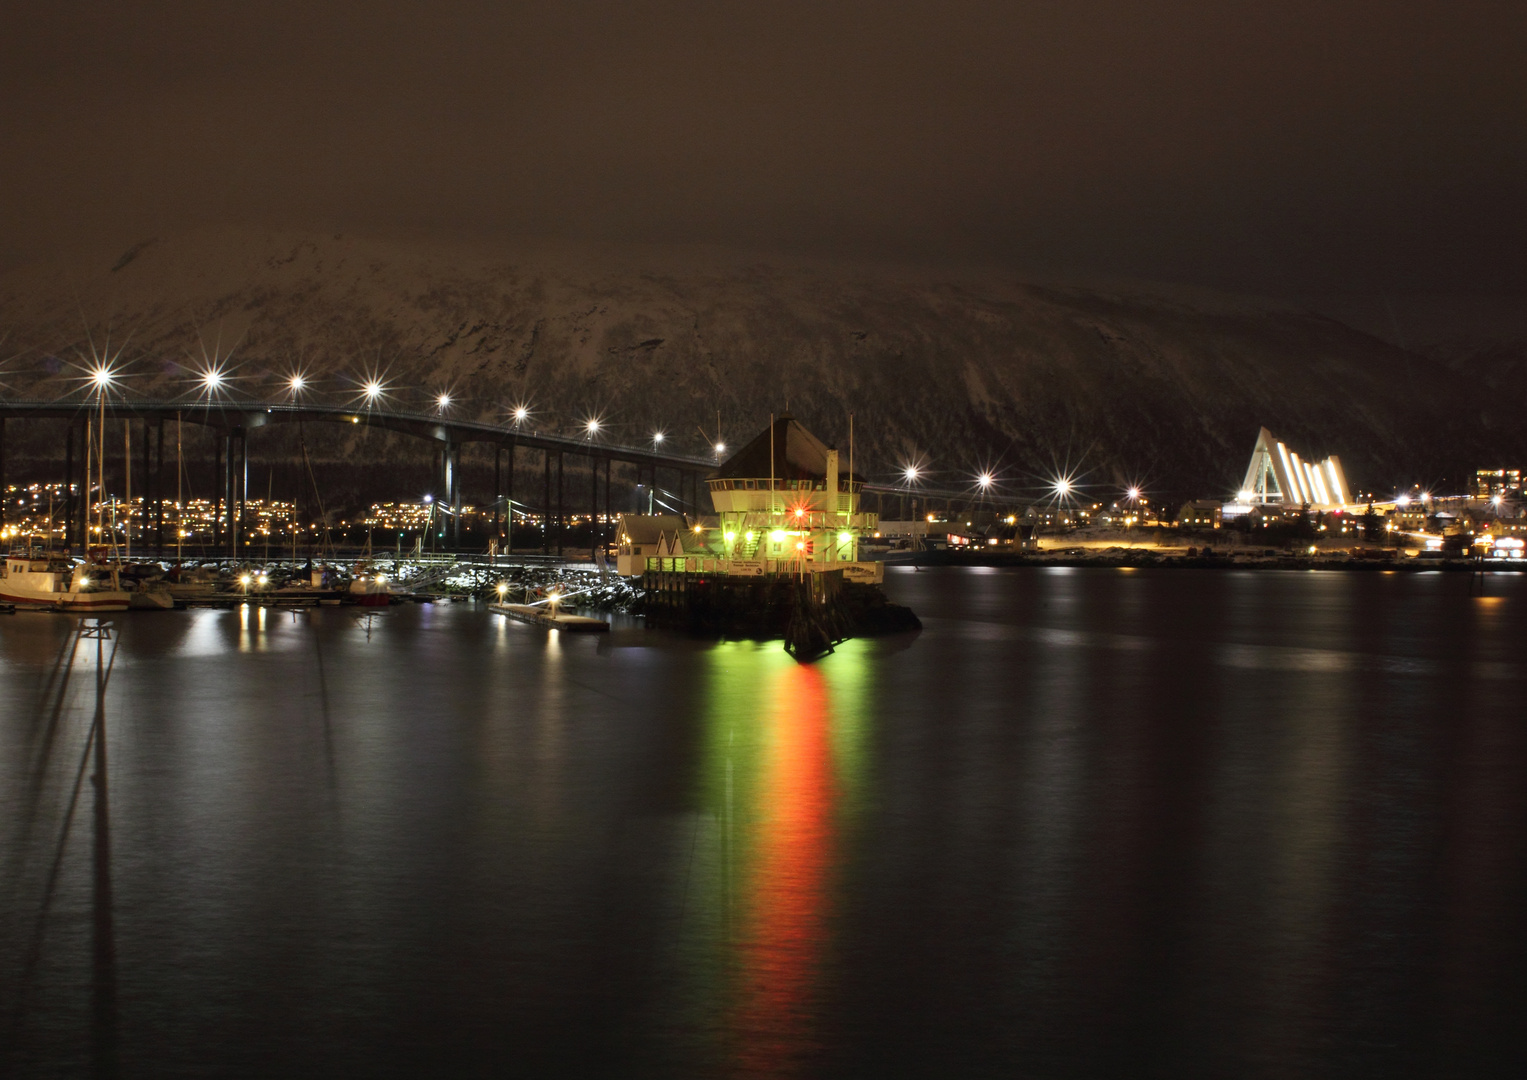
{"x":1087,"y":823}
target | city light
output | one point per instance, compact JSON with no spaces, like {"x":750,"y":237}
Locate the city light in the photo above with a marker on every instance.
{"x":985,"y":480}
{"x":657,"y":438}
{"x":443,"y":402}
{"x":1063,"y":487}
{"x":593,"y":426}
{"x":1134,"y":493}
{"x":521,"y":413}
{"x":910,"y":474}
{"x":720,"y":448}
{"x":296,"y":384}
{"x":372,"y":390}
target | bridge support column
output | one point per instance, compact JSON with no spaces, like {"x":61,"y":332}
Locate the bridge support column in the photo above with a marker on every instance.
{"x":608,"y":531}
{"x":453,"y":490}
{"x":560,"y":517}
{"x":509,"y":503}
{"x":498,"y":453}
{"x":3,"y":493}
{"x":546,"y":506}
{"x":219,"y":490}
{"x":234,"y":492}
{"x":593,"y":506}
{"x":242,"y":526}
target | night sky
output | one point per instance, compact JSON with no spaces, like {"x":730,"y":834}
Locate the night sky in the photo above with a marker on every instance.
{"x":1285,"y":148}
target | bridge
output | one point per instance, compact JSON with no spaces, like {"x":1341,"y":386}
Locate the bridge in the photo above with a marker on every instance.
{"x":237,"y":420}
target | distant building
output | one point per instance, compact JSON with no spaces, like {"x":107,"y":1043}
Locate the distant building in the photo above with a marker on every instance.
{"x":1200,"y":514}
{"x":1491,"y":482}
{"x":1277,"y":475}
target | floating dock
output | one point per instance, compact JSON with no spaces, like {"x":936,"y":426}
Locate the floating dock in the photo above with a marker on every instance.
{"x":539,"y":616}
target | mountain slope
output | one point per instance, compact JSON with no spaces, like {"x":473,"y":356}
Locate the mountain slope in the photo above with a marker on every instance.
{"x":959,"y":370}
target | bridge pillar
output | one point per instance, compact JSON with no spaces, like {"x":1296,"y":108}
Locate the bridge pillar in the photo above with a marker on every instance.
{"x":243,"y":480}
{"x":593,"y":505}
{"x":546,"y":506}
{"x":560,"y":517}
{"x":452,"y":462}
{"x":3,"y":493}
{"x":235,"y":493}
{"x":509,"y":503}
{"x":220,"y":489}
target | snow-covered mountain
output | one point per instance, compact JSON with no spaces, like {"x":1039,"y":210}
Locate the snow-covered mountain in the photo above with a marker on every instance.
{"x":959,"y":370}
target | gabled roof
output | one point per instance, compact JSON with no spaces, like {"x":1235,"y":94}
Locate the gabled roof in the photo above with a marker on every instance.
{"x":647,"y":529}
{"x":798,"y":455}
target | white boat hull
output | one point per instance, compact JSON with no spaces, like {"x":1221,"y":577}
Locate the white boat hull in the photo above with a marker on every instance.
{"x":105,"y":600}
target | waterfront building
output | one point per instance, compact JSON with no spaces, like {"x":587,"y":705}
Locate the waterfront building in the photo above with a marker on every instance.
{"x":641,"y":538}
{"x":784,"y":503}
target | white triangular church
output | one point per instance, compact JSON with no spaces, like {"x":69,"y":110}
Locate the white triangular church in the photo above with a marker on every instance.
{"x":1276,"y":475}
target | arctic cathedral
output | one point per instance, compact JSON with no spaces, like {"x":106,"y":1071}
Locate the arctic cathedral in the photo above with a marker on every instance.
{"x":1277,"y":476}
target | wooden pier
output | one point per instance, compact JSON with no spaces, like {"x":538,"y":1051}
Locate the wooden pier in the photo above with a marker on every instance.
{"x":540,"y":616}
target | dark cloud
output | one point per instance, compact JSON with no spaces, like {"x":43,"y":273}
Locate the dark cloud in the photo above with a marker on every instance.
{"x":1286,"y":147}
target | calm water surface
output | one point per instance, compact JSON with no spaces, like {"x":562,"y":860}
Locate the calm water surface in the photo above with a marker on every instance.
{"x":1087,"y":823}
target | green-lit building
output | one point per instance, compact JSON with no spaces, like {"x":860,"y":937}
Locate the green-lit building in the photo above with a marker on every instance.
{"x":785,"y":503}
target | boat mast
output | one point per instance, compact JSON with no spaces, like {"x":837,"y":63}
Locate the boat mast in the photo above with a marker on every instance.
{"x":127,"y":468}
{"x":180,"y":532}
{"x":85,"y":516}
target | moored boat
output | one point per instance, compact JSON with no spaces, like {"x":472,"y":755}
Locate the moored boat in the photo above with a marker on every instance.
{"x":369,"y":587}
{"x":42,"y":581}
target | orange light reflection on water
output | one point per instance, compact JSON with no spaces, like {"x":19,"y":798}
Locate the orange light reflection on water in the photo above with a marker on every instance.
{"x":785,"y":892}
